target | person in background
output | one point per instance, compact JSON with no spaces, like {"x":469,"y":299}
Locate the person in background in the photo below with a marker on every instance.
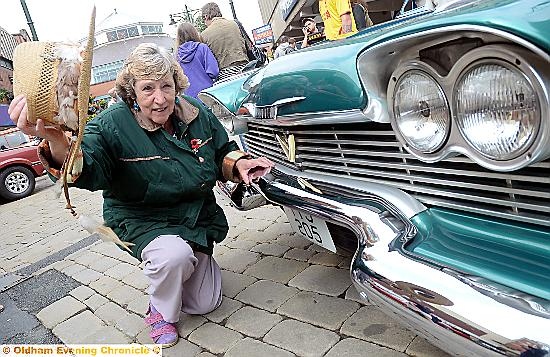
{"x":284,"y":47}
{"x":225,"y":40}
{"x":292,"y":43}
{"x":196,"y":59}
{"x":360,"y":14}
{"x":157,"y":155}
{"x":312,"y":34}
{"x":338,"y":18}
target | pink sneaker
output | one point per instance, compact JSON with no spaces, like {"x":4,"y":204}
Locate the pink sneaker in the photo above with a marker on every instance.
{"x":162,"y":333}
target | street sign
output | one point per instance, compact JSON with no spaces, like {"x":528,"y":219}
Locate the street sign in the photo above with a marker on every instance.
{"x":263,"y":36}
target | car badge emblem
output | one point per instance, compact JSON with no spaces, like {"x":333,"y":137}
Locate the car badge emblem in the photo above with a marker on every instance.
{"x":288,"y":144}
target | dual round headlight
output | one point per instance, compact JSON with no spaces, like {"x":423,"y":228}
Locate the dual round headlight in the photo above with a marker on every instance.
{"x":496,"y":109}
{"x":421,"y":111}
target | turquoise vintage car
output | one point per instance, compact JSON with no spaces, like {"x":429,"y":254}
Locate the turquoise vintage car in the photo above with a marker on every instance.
{"x":423,"y":144}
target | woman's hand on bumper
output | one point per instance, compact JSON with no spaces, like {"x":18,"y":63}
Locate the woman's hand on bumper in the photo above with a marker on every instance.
{"x":252,"y":169}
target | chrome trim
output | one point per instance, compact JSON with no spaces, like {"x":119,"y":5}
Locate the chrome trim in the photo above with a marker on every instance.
{"x":517,"y":58}
{"x":376,"y":64}
{"x":270,"y":109}
{"x":313,"y":118}
{"x":233,"y":125}
{"x":463,"y":315}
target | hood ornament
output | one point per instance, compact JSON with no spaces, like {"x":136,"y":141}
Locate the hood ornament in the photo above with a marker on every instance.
{"x":288,"y":144}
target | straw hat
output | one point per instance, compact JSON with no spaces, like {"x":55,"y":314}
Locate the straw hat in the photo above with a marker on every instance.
{"x":35,"y":75}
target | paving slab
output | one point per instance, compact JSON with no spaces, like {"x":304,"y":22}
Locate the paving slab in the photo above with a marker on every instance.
{"x":293,"y":241}
{"x":88,"y":257}
{"x":189,"y":323}
{"x":321,"y":279}
{"x":419,"y":347}
{"x":257,"y":236}
{"x":103,"y":263}
{"x":328,"y":259}
{"x":82,"y":292}
{"x":320,"y":310}
{"x":131,"y":325}
{"x":206,"y":354}
{"x":279,"y":228}
{"x":77,"y":328}
{"x":183,"y":348}
{"x":252,"y":322}
{"x":111,"y":313}
{"x":95,"y":301}
{"x":86,"y":276}
{"x":253,"y":348}
{"x":121,"y":270}
{"x":240,"y":244}
{"x":353,"y":295}
{"x":137,"y":279}
{"x":60,"y":311}
{"x":274,"y":249}
{"x":301,"y":338}
{"x":233,"y":283}
{"x":228,"y":307}
{"x":106,"y":335}
{"x":139,"y":305}
{"x":302,"y":255}
{"x":267,"y":295}
{"x":237,"y":260}
{"x":352,"y":347}
{"x":276,"y":269}
{"x":256,"y":224}
{"x":215,"y":338}
{"x":124,"y":295}
{"x":381,"y":329}
{"x":105,"y":285}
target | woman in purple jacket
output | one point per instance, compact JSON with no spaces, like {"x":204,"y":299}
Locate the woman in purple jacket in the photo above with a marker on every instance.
{"x":196,"y":59}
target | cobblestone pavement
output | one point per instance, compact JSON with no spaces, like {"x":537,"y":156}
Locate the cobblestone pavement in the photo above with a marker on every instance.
{"x":282,"y":295}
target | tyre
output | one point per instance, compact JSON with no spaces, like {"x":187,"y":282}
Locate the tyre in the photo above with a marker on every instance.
{"x":16,"y":182}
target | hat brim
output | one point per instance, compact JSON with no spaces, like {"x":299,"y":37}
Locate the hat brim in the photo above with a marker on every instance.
{"x":35,"y":75}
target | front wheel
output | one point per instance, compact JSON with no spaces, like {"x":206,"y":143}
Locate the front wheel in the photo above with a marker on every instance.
{"x":16,"y":182}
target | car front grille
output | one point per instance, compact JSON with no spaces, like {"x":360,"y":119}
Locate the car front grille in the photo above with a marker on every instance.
{"x":370,"y":152}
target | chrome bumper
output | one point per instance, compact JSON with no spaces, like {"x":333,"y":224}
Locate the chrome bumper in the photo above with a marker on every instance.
{"x":463,"y":315}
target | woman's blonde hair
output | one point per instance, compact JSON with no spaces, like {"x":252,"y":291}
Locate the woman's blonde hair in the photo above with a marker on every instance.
{"x":148,"y":61}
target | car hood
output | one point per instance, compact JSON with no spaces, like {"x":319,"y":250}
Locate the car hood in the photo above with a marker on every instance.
{"x":324,"y":77}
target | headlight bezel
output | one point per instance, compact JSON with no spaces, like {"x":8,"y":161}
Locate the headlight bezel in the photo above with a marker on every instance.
{"x":509,"y":66}
{"x":529,"y":64}
{"x":416,"y":68}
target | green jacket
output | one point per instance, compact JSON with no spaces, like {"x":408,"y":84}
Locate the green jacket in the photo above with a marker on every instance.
{"x":154,"y":183}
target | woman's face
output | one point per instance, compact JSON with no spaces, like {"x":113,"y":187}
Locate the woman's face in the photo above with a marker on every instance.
{"x":156,"y":98}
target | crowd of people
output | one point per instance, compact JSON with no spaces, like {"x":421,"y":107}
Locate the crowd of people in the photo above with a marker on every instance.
{"x":341,"y":18}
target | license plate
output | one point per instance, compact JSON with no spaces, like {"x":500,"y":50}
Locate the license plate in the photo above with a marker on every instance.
{"x":311,"y":227}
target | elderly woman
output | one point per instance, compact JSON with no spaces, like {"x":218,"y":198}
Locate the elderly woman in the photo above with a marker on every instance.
{"x":156,"y":156}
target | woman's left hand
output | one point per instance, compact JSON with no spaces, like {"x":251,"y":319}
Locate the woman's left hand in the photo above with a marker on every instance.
{"x":252,"y":169}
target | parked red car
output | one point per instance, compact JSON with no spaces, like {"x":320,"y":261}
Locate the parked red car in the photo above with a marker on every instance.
{"x":19,"y":164}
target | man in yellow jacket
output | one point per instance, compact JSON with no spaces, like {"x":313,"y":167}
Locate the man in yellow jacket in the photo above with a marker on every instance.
{"x":338,"y":18}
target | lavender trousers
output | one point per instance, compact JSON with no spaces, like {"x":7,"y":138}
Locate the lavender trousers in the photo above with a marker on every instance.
{"x":181,"y":280}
